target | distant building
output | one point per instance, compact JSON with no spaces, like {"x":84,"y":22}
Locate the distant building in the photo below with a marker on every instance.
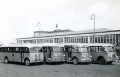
{"x":102,"y":35}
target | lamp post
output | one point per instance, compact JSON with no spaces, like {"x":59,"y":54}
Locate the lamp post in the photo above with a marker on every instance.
{"x":94,"y":25}
{"x":39,"y":29}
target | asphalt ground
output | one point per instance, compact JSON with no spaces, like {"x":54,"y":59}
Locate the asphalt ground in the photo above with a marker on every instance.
{"x":59,"y":70}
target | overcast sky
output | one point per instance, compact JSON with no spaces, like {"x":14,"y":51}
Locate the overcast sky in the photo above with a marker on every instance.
{"x":18,"y":18}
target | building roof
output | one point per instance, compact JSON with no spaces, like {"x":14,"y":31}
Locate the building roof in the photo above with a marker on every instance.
{"x":96,"y":30}
{"x":91,"y":31}
{"x":57,"y":30}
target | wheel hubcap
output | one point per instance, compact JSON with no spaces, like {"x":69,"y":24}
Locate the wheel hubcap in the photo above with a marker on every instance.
{"x":6,"y":60}
{"x":27,"y":62}
{"x":75,"y":61}
{"x":101,"y":61}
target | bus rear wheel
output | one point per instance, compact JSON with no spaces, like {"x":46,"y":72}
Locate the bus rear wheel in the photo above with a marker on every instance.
{"x":101,"y":60}
{"x":6,"y":60}
{"x":75,"y":61}
{"x":27,"y":62}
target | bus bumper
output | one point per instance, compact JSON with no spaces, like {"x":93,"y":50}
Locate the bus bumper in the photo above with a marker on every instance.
{"x":56,"y":60}
{"x":36,"y":61}
{"x":85,"y":60}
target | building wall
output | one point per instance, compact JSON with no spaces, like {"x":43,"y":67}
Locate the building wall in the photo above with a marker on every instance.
{"x":85,"y":38}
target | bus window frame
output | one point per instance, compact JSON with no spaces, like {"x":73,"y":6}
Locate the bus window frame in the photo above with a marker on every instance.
{"x":97,"y":49}
{"x":28,"y":50}
{"x":75,"y":50}
{"x":107,"y":48}
{"x":39,"y":50}
{"x":85,"y":51}
{"x":4,"y":49}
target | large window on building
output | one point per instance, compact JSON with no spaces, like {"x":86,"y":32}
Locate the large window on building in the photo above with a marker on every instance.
{"x":34,"y":41}
{"x":102,"y":39}
{"x":91,"y":39}
{"x":96,"y":39}
{"x":105,"y":39}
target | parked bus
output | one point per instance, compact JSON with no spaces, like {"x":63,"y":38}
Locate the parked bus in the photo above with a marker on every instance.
{"x":53,"y":53}
{"x":77,"y":53}
{"x":27,"y":54}
{"x":103,"y":53}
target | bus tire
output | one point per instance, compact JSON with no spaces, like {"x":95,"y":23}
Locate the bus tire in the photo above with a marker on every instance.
{"x":101,"y":60}
{"x":75,"y":60}
{"x":27,"y":62}
{"x":6,"y":60}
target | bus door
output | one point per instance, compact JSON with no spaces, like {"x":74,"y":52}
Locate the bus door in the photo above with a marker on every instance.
{"x":17,"y":54}
{"x":49,"y":53}
{"x":68,"y":53}
{"x":94,"y":53}
{"x":44,"y":49}
{"x":22,"y":51}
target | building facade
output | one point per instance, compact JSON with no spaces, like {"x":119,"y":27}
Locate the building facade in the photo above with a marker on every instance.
{"x":102,"y":35}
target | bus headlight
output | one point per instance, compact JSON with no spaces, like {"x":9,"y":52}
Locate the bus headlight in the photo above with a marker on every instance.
{"x":49,"y":59}
{"x":117,"y":57}
{"x":90,"y":56}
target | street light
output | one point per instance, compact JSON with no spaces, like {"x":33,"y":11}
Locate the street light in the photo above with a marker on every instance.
{"x":39,"y":29}
{"x":94,"y":25}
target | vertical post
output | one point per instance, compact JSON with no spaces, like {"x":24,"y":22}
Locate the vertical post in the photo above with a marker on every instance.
{"x":39,"y":30}
{"x":94,"y":26}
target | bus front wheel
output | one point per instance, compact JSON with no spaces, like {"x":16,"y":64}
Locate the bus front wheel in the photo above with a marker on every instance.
{"x":27,"y":62}
{"x":6,"y":60}
{"x":101,"y":60}
{"x":75,"y":61}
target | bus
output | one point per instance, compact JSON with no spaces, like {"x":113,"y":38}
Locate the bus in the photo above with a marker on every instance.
{"x":77,"y":53}
{"x":102,"y":53}
{"x":53,"y":53}
{"x":24,"y":53}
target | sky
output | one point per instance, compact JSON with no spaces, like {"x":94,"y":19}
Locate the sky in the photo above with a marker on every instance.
{"x":18,"y":18}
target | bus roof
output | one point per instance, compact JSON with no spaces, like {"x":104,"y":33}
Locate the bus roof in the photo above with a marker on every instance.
{"x":99,"y":44}
{"x":51,"y":44}
{"x":78,"y":44}
{"x":87,"y":44}
{"x":22,"y":45}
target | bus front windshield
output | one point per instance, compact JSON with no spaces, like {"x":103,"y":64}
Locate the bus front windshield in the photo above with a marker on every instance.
{"x":56,"y":49}
{"x":83,"y":49}
{"x":35,"y":49}
{"x":109,"y":48}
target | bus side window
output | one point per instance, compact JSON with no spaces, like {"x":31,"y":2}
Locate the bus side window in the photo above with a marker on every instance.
{"x":40,"y":50}
{"x":51,"y":48}
{"x":25,"y":50}
{"x":44,"y":49}
{"x":62,"y":49}
{"x":22,"y":49}
{"x":97,"y":50}
{"x":11,"y":49}
{"x":17,"y":49}
{"x":92,"y":49}
{"x":2,"y":49}
{"x":101,"y":49}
